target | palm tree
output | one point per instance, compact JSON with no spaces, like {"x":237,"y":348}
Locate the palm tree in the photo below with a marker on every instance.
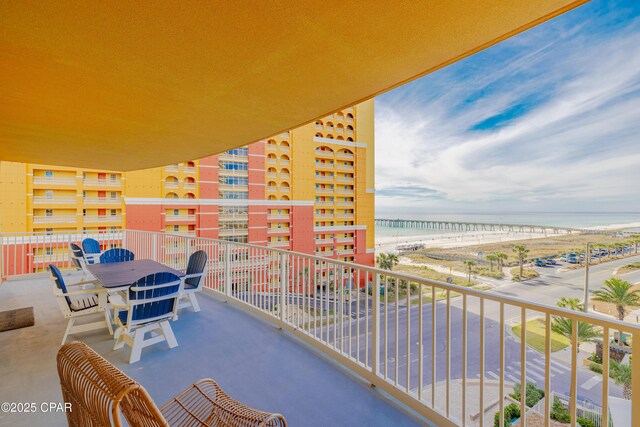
{"x":502,"y":257}
{"x":571,"y":303}
{"x":618,"y":292}
{"x":521,"y":252}
{"x":387,"y":261}
{"x":635,"y":238}
{"x":586,"y":331}
{"x":492,"y":258}
{"x":621,"y":374}
{"x":469,"y":265}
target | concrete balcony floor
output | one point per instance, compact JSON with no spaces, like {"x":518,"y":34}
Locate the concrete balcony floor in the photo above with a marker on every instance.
{"x":253,"y":361}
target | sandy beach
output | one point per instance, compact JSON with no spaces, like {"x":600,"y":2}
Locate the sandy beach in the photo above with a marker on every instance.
{"x":471,"y":238}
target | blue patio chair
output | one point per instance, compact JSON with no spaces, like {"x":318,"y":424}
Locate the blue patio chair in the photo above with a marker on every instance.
{"x":193,"y":280}
{"x":150,"y":303}
{"x":92,"y":250}
{"x":75,"y":301}
{"x":116,"y":255}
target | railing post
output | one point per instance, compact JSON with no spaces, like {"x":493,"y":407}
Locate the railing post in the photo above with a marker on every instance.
{"x":1,"y":258}
{"x":635,"y":380}
{"x":154,"y":246}
{"x":227,"y":269}
{"x":375,"y":325}
{"x":124,"y":239}
{"x":283,"y":285}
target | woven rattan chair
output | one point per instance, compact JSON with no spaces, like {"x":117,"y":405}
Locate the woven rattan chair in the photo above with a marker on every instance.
{"x":100,"y":394}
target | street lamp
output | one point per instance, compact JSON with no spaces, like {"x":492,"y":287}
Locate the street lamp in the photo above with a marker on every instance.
{"x":587,"y":255}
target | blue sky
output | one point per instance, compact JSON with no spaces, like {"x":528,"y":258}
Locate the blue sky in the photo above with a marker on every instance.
{"x":548,"y":120}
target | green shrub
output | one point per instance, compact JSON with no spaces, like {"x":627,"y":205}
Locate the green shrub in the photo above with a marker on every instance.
{"x":559,"y":412}
{"x":511,"y":411}
{"x":534,"y":394}
{"x":595,"y":368}
{"x":595,"y":358}
{"x":585,"y":422}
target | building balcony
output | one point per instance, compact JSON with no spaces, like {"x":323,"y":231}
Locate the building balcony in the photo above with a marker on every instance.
{"x":95,"y":182}
{"x":345,"y":191}
{"x":189,"y":185}
{"x":324,"y":203}
{"x":324,"y":190}
{"x":55,"y":219}
{"x":324,"y":178}
{"x":344,"y":203}
{"x":320,"y":165}
{"x":174,"y":218}
{"x":324,"y":216}
{"x":324,"y":153}
{"x":278,"y":230}
{"x":102,"y":201}
{"x":225,"y":157}
{"x":275,"y":217}
{"x":271,"y":147}
{"x":272,"y":188}
{"x":343,"y":155}
{"x":271,"y":175}
{"x":346,"y":252}
{"x":232,"y":172}
{"x":55,"y":200}
{"x":233,"y":187}
{"x":425,"y":352}
{"x":171,"y":168}
{"x":284,"y":162}
{"x":346,"y":216}
{"x":233,"y":232}
{"x":344,"y":179}
{"x":234,"y":217}
{"x":171,"y":184}
{"x":102,"y":218}
{"x":54,"y":181}
{"x":285,"y":175}
{"x":189,"y":170}
{"x":345,"y":240}
{"x":271,"y":160}
{"x":285,"y":148}
{"x":345,"y":167}
{"x":324,"y":241}
{"x":285,"y":189}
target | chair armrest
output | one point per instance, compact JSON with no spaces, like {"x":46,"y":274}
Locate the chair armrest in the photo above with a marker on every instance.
{"x":205,"y":403}
{"x":75,"y":293}
{"x":189,"y":276}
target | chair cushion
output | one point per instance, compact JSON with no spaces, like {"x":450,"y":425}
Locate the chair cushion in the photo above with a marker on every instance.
{"x":188,"y":287}
{"x":84,"y":303}
{"x":123,"y":316}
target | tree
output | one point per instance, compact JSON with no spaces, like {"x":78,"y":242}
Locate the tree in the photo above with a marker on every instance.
{"x":571,"y":303}
{"x":492,"y":258}
{"x":618,"y":292}
{"x":521,"y":252}
{"x":387,"y":261}
{"x":621,"y":374}
{"x":469,"y":265}
{"x":635,"y":238}
{"x":586,"y":331}
{"x":502,"y":257}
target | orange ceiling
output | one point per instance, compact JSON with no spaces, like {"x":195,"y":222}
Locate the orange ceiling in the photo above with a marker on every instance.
{"x":130,"y":85}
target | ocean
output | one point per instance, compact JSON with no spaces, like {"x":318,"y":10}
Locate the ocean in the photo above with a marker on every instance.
{"x":558,"y":219}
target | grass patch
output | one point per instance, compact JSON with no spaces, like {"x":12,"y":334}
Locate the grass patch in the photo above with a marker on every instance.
{"x":527,"y":274}
{"x":536,"y":336}
{"x":427,"y":273}
{"x":629,"y":268}
{"x":483,"y":287}
{"x":439,"y":297}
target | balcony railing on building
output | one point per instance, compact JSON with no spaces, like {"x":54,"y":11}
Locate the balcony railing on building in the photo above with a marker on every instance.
{"x":232,"y":157}
{"x":324,"y":153}
{"x":102,"y":218}
{"x":171,"y":168}
{"x":324,"y":190}
{"x":271,"y":175}
{"x":324,"y":241}
{"x":345,"y":167}
{"x":182,"y":217}
{"x":406,"y":344}
{"x":50,"y":180}
{"x":233,"y":232}
{"x":189,"y":170}
{"x":324,"y":177}
{"x":344,"y":155}
{"x":277,"y":230}
{"x":324,"y":203}
{"x":272,"y":160}
{"x":345,"y":191}
{"x":55,"y":219}
{"x":233,"y":172}
{"x":324,"y":215}
{"x":346,"y":252}
{"x":171,"y":184}
{"x":284,"y":175}
{"x":345,"y":240}
{"x":189,"y":185}
{"x":53,"y":200}
{"x":101,"y":200}
{"x":234,"y":217}
{"x":320,"y":165}
{"x":272,"y":217}
{"x":282,"y":244}
{"x":339,"y":203}
{"x":233,"y":187}
{"x":97,"y":182}
{"x":344,"y":179}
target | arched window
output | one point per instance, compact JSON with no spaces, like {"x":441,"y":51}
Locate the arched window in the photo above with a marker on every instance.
{"x":349,"y":117}
{"x":284,"y":158}
{"x":329,"y":126}
{"x":340,"y":115}
{"x":171,"y":178}
{"x":340,"y":128}
{"x":271,"y":184}
{"x":329,"y":136}
{"x":340,"y":138}
{"x":349,"y":129}
{"x":272,"y":197}
{"x":284,"y":144}
{"x":284,"y":198}
{"x":325,"y":149}
{"x":319,"y":124}
{"x":285,"y":185}
{"x":284,"y":172}
{"x":189,"y":196}
{"x":318,"y":135}
{"x":171,"y":196}
{"x":350,"y":139}
{"x":190,"y":180}
{"x":191,"y":164}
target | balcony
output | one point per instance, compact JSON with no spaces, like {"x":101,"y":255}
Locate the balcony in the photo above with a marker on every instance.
{"x":225,"y":157}
{"x":284,"y":244}
{"x":171,"y":168}
{"x":345,"y":215}
{"x":189,"y":185}
{"x":324,"y":203}
{"x":344,"y":155}
{"x":324,"y":216}
{"x":55,"y":219}
{"x":54,"y":200}
{"x":102,"y":200}
{"x":345,"y":179}
{"x":53,"y":181}
{"x":233,"y":232}
{"x":102,"y":218}
{"x":278,"y":230}
{"x":320,"y":165}
{"x":346,"y":252}
{"x":173,"y":218}
{"x":324,"y":241}
{"x":189,"y":170}
{"x":324,"y":177}
{"x":271,"y":160}
{"x":345,"y":167}
{"x":324,"y":190}
{"x":234,"y":217}
{"x":285,"y":148}
{"x":95,"y":182}
{"x":233,"y":172}
{"x":233,"y":187}
{"x":284,"y":162}
{"x":171,"y":184}
{"x":401,"y":346}
{"x":284,"y":175}
{"x":344,"y":203}
{"x":271,"y":174}
{"x":324,"y":153}
{"x":274,"y":217}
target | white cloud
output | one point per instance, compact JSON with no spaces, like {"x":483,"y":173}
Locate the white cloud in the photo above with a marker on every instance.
{"x":579,"y":145}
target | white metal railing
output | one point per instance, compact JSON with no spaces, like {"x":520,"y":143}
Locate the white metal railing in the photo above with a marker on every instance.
{"x":55,"y":219}
{"x":272,"y":188}
{"x":171,"y":184}
{"x":232,"y":172}
{"x":101,"y":200}
{"x":271,"y":174}
{"x":272,"y":147}
{"x":102,"y":218}
{"x":344,"y":155}
{"x":189,"y":184}
{"x":189,"y":169}
{"x":285,"y":189}
{"x":345,"y":240}
{"x":284,"y":162}
{"x":350,"y":131}
{"x":102,"y":182}
{"x":235,"y":217}
{"x":232,"y":157}
{"x":345,"y":191}
{"x":324,"y":215}
{"x":345,"y":167}
{"x":285,"y":148}
{"x":277,"y":216}
{"x":324,"y":153}
{"x":423,"y":342}
{"x":344,"y":203}
{"x":323,"y":241}
{"x":278,"y":244}
{"x":50,"y":180}
{"x":233,"y":187}
{"x":171,"y":168}
{"x":272,"y":160}
{"x":284,"y":175}
{"x":344,"y":179}
{"x":324,"y":190}
{"x":324,"y":203}
{"x":62,"y":200}
{"x":233,"y":232}
{"x":324,"y":177}
{"x":320,"y":165}
{"x":346,"y":252}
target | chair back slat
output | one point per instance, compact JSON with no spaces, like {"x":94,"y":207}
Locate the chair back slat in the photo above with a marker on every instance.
{"x":116,"y":255}
{"x":91,"y":246}
{"x":149,"y":287}
{"x":99,"y":392}
{"x":56,"y":275}
{"x":197,"y":263}
{"x":77,"y":255}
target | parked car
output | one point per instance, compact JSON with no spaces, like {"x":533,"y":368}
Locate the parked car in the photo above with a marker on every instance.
{"x":539,"y":263}
{"x":563,"y":257}
{"x":551,"y":261}
{"x":572,"y":260}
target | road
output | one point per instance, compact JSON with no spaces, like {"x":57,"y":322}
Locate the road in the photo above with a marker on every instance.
{"x":549,"y":288}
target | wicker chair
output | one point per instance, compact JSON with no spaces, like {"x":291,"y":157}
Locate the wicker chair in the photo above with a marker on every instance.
{"x":100,"y":393}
